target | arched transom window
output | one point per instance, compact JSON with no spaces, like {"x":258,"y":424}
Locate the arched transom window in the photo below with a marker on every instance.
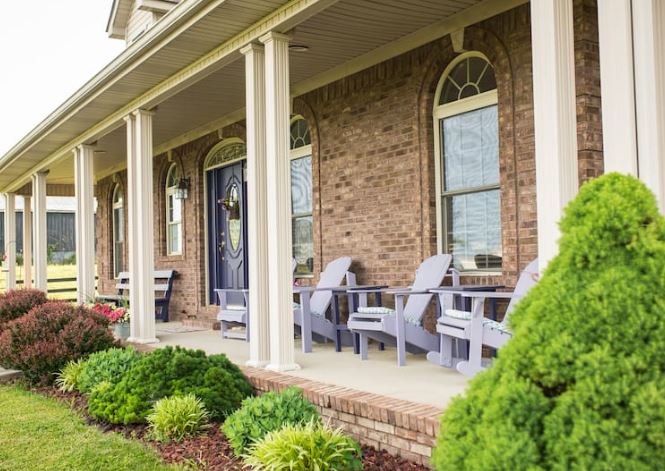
{"x":226,"y":153}
{"x":173,"y":212}
{"x":467,"y":145}
{"x":118,"y":229}
{"x":301,"y":196}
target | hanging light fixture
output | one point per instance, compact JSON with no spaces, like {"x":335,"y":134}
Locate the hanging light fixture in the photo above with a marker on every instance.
{"x":182,"y":189}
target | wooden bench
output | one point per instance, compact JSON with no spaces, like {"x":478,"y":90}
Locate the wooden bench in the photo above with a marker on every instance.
{"x":163,"y":289}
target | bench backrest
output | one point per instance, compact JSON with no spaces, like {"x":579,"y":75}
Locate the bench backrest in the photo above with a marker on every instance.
{"x":163,"y":282}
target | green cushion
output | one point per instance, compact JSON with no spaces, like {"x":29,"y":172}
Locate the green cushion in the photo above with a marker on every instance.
{"x":466,"y":316}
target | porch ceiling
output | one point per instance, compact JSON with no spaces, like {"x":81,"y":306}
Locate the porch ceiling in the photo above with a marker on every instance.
{"x":337,"y":38}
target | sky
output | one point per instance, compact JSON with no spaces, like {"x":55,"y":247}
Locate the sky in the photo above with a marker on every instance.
{"x":48,"y":50}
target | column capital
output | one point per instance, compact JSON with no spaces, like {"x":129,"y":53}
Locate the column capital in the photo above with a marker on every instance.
{"x":251,"y":47}
{"x":142,"y":112}
{"x":274,"y":36}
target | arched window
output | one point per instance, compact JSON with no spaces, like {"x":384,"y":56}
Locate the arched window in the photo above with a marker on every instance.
{"x":301,"y":196}
{"x":118,"y":217}
{"x":467,"y":146}
{"x":173,"y":212}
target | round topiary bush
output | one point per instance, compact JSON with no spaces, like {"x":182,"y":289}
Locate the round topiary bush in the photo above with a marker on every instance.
{"x":108,"y":365}
{"x":580,"y":385}
{"x":266,"y":413}
{"x":17,"y":303}
{"x":50,"y":335}
{"x":167,"y":372}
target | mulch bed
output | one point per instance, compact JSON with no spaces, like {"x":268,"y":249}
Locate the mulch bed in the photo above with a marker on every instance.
{"x":210,"y":450}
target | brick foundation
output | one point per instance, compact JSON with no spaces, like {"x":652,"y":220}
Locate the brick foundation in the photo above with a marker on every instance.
{"x":402,"y":428}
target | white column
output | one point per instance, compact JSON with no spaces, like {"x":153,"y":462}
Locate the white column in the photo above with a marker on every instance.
{"x":649,"y":67}
{"x":554,"y":118}
{"x":615,"y":35}
{"x":85,"y":242}
{"x":27,"y":242}
{"x":257,"y":224}
{"x":39,"y":224}
{"x":10,"y":241}
{"x":140,"y":228}
{"x":282,"y":350}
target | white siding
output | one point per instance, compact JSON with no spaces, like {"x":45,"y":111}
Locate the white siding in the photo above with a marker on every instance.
{"x":139,"y":22}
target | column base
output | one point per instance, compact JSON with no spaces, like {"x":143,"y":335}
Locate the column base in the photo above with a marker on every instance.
{"x":142,"y":341}
{"x":257,"y":363}
{"x":282,"y":368}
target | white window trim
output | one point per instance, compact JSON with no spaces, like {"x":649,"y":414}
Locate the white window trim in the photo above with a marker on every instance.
{"x":170,"y":191}
{"x":440,"y":112}
{"x":295,"y":154}
{"x":114,"y":236}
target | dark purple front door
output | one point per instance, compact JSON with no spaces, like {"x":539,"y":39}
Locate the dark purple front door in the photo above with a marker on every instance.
{"x":227,"y":235}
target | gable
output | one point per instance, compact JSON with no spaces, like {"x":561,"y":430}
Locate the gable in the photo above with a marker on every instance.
{"x":131,"y":17}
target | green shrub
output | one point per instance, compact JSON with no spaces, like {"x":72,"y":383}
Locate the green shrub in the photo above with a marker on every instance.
{"x":167,"y":372}
{"x":69,"y":377}
{"x":176,"y":417}
{"x":266,"y":413}
{"x":580,"y":385}
{"x":304,"y":448}
{"x":108,"y":365}
{"x":17,"y":303}
{"x":50,"y":335}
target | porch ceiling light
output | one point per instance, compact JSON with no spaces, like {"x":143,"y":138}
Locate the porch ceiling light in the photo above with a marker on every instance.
{"x":298,"y":48}
{"x":182,"y":190}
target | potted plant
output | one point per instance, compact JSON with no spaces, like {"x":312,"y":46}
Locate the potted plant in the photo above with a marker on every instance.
{"x":117,"y":316}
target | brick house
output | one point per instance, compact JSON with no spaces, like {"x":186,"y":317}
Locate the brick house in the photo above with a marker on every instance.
{"x":391,"y":131}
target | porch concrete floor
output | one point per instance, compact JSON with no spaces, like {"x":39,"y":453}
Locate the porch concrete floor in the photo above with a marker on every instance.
{"x":418,"y":381}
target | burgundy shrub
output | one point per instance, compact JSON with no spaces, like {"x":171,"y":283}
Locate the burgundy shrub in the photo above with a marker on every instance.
{"x":18,"y":302}
{"x":51,"y":334}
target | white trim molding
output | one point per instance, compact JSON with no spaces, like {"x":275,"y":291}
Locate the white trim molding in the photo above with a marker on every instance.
{"x":39,"y":224}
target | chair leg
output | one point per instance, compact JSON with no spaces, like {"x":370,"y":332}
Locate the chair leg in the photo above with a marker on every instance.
{"x":444,"y":357}
{"x":474,"y":364}
{"x":222,"y":328}
{"x":363,"y":346}
{"x":400,"y":337}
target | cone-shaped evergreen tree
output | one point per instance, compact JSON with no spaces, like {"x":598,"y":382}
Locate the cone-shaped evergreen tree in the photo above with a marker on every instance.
{"x":582,"y":383}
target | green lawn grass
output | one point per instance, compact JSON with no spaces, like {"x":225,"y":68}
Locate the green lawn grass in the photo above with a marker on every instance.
{"x":39,"y":433}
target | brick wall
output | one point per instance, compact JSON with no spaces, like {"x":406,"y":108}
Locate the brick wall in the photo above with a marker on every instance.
{"x":373,"y":162}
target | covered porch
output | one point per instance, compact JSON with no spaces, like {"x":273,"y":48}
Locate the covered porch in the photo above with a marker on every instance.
{"x":218,"y":72}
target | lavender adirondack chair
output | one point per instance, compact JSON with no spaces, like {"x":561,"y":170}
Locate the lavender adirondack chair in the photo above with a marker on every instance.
{"x":235,"y":316}
{"x":476,"y":328}
{"x":310,"y":315}
{"x":402,"y":326}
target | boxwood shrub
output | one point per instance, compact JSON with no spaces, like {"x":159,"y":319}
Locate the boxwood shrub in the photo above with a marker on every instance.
{"x":49,"y":336}
{"x":166,"y":372}
{"x":580,"y":385}
{"x":265,"y":413}
{"x":17,"y":303}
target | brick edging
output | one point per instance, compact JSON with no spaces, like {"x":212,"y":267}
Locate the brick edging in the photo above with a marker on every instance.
{"x":400,"y":427}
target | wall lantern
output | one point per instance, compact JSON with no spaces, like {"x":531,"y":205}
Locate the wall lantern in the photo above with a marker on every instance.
{"x":182,"y":189}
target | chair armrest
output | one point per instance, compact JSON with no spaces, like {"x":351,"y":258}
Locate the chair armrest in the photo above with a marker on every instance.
{"x":232,"y":290}
{"x":366,"y":289}
{"x":486,"y":294}
{"x":406,"y":291}
{"x":312,"y":289}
